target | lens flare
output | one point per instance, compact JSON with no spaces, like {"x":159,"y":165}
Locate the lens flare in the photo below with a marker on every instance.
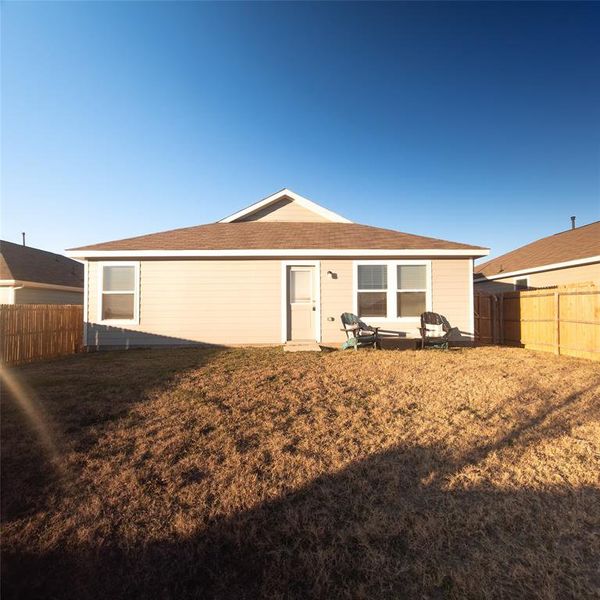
{"x":28,"y":402}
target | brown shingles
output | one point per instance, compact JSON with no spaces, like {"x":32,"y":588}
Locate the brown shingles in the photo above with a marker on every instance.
{"x":278,"y":235}
{"x":23,"y":263}
{"x":572,"y":244}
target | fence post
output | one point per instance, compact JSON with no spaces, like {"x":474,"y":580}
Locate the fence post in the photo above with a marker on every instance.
{"x":501,"y":319}
{"x":497,"y":318}
{"x":557,"y":323}
{"x":475,"y":317}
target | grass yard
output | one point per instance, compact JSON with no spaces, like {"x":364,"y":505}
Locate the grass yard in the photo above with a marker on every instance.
{"x":253,"y":473}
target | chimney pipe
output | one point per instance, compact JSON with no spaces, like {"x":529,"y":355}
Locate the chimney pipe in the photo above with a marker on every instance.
{"x":23,"y":234}
{"x":572,"y":222}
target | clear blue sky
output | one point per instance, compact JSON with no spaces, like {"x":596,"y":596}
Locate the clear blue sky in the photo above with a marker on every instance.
{"x":471,"y":122}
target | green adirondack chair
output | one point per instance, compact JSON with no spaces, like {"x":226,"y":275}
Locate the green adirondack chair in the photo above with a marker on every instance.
{"x":358,"y":333}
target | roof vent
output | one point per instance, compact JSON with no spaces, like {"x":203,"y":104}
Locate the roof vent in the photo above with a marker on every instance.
{"x":573,"y":222}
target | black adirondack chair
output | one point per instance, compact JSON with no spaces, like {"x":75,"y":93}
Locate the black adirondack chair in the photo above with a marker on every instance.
{"x":435,"y":330}
{"x":358,"y":333}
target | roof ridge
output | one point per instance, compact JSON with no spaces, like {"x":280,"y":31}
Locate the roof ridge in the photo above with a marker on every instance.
{"x":524,"y":246}
{"x":546,"y":237}
{"x":551,"y":249}
{"x":573,"y":229}
{"x":23,"y":246}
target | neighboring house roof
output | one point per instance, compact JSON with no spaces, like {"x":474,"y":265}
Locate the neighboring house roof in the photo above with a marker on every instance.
{"x":239,"y":234}
{"x":25,"y":264}
{"x":569,"y":246}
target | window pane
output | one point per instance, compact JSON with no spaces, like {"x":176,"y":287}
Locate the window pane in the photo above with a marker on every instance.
{"x":300,"y":286}
{"x":372,"y":277}
{"x":119,"y":279}
{"x":372,"y":304}
{"x":521,"y":284}
{"x":412,"y":277}
{"x":411,"y":304}
{"x":117,"y":306}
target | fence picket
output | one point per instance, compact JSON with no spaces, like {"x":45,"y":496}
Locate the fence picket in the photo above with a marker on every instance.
{"x":31,"y":332}
{"x":564,"y":320}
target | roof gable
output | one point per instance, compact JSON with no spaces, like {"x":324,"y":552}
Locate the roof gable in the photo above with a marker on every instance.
{"x":285,"y":206}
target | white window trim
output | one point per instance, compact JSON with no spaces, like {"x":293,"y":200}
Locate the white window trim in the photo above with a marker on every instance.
{"x":392,"y":279}
{"x":136,"y":292}
{"x":284,"y":295}
{"x":519,"y":279}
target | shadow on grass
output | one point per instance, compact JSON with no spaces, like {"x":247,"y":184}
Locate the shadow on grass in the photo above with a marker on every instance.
{"x":386,"y":527}
{"x":389,"y":526}
{"x":74,"y":405}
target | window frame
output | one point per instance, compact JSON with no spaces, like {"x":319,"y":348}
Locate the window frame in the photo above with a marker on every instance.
{"x":392,"y":289}
{"x":409,"y":290}
{"x":136,"y":292}
{"x":384,"y":290}
{"x":521,"y":289}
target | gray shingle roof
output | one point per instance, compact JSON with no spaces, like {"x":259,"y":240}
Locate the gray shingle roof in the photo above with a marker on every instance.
{"x":261,"y":235}
{"x":30,"y":264}
{"x":573,"y":244}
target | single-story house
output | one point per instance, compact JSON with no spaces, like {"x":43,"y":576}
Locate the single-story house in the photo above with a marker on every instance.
{"x":568,"y":257}
{"x":33,"y":276}
{"x":281,"y":269}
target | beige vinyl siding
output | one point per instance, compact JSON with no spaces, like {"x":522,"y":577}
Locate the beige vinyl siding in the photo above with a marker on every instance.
{"x":285,"y":210}
{"x":6,"y":295}
{"x":336,"y":298}
{"x":239,"y":302}
{"x":450,"y":296}
{"x":452,"y":292}
{"x":191,"y":301}
{"x":581,"y":274}
{"x":31,"y":295}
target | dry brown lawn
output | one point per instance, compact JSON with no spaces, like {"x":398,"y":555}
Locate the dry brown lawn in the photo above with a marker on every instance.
{"x":254,"y":473}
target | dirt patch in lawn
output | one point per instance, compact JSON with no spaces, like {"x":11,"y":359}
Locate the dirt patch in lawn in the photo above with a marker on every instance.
{"x":254,"y":473}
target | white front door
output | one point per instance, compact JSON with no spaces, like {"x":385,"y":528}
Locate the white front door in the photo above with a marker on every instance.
{"x":301,"y":302}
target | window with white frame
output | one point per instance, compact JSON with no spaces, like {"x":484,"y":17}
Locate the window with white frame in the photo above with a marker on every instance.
{"x":119,"y":292}
{"x":411,"y":294}
{"x":392,"y":290}
{"x":372,"y":290}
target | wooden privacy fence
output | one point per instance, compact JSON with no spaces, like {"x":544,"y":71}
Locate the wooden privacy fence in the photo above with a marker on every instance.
{"x":30,"y":332}
{"x":564,"y":320}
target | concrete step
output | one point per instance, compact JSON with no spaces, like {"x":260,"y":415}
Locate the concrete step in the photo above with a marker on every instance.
{"x":302,"y":346}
